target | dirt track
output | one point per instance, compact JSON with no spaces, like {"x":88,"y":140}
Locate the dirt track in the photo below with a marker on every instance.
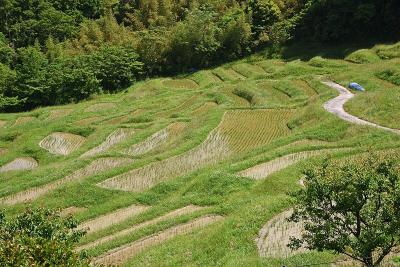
{"x":335,"y":106}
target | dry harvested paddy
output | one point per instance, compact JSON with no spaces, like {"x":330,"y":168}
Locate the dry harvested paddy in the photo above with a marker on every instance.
{"x":151,"y":171}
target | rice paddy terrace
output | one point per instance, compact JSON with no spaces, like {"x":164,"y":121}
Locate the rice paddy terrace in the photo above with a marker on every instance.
{"x":197,"y":169}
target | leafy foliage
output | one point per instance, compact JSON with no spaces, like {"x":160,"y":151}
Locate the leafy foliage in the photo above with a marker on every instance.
{"x":39,"y":237}
{"x":352,"y":207}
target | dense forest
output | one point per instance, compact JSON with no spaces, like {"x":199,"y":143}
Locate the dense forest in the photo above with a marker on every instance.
{"x":60,"y":51}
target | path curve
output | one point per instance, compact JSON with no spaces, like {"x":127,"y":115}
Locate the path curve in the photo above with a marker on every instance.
{"x":335,"y":106}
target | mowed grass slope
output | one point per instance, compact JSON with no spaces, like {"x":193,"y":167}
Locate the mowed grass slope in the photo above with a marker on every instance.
{"x":180,"y":149}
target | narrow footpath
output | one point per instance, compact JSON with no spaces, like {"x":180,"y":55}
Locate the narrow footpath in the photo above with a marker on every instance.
{"x":335,"y":106}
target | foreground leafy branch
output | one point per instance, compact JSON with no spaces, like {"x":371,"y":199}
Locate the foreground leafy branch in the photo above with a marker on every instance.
{"x":39,"y":237}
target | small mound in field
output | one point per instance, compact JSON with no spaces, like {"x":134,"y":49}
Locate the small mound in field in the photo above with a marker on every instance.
{"x":72,"y":211}
{"x":23,"y":120}
{"x":122,"y":254}
{"x":112,"y":218}
{"x":265,"y":169}
{"x":363,"y":56}
{"x":113,"y":139}
{"x":3,"y":151}
{"x":96,"y":167}
{"x":87,"y":121}
{"x":2,"y":123}
{"x":20,"y":164}
{"x":100,"y":107}
{"x":173,"y":214}
{"x":239,"y":131}
{"x":62,"y":143}
{"x":156,"y":140}
{"x":181,"y":83}
{"x":274,"y":237}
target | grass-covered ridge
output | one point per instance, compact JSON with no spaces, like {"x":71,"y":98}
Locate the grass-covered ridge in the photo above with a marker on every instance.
{"x":183,"y":142}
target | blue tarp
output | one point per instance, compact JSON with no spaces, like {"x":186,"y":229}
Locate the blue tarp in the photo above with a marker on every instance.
{"x":356,"y":86}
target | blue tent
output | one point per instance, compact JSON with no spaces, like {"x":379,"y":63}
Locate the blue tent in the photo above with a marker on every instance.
{"x":357,"y":87}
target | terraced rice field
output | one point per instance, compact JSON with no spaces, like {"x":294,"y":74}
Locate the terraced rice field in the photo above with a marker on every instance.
{"x":116,"y":137}
{"x":112,"y":218}
{"x":156,"y":140}
{"x":128,"y":231}
{"x":122,"y":254}
{"x":100,"y":107}
{"x":248,"y":129}
{"x":20,"y":164}
{"x":210,"y":151}
{"x":62,"y":143}
{"x":23,"y":120}
{"x":181,"y":83}
{"x":274,"y":237}
{"x":248,"y":70}
{"x":239,"y":131}
{"x":265,"y":169}
{"x":96,"y":167}
{"x":59,"y":113}
{"x":173,"y":156}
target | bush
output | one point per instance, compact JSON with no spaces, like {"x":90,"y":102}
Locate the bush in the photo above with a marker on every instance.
{"x":39,"y":237}
{"x":388,"y":51}
{"x":363,"y":56}
{"x":390,"y":75}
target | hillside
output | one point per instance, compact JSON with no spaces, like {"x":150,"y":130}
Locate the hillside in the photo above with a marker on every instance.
{"x":187,"y":170}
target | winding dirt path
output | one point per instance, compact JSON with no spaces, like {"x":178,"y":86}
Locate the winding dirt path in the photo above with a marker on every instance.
{"x":335,"y":106}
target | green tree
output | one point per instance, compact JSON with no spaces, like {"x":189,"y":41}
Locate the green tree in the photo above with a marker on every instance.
{"x":264,"y":13}
{"x":39,"y":237}
{"x":352,"y":207}
{"x":115,"y":67}
{"x":30,"y":84}
{"x":235,"y":33}
{"x":195,"y":41}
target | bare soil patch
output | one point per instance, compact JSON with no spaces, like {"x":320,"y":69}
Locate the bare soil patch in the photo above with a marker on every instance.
{"x":116,"y":137}
{"x":112,"y":218}
{"x":265,"y":169}
{"x":62,"y":143}
{"x":20,"y":164}
{"x":122,"y":254}
{"x":274,"y":237}
{"x":23,"y":120}
{"x":156,"y":140}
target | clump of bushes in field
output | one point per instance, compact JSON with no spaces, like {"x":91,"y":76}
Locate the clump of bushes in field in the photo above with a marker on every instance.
{"x":390,"y":75}
{"x":388,"y":51}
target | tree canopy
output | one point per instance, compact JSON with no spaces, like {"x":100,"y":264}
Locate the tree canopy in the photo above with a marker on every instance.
{"x":352,"y":207}
{"x":161,"y":37}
